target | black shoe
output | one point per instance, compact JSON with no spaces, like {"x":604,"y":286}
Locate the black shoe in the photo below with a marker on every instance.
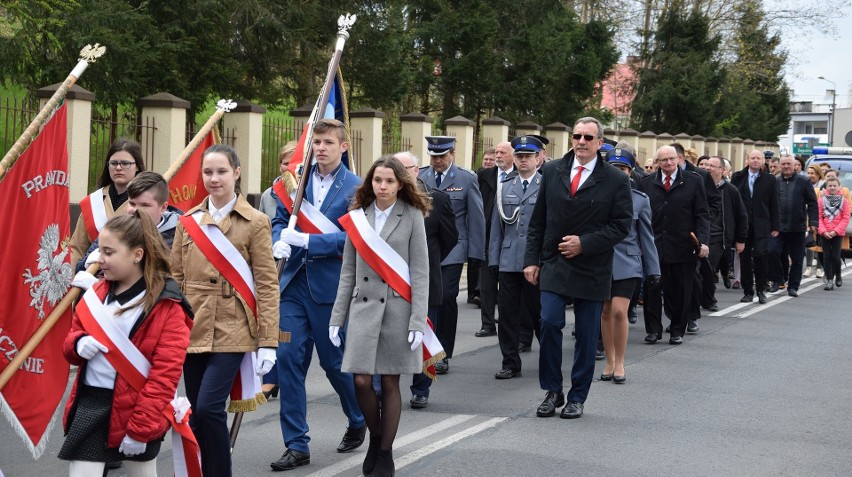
{"x":352,"y":439}
{"x":632,"y":316}
{"x":772,"y":288}
{"x":442,"y":367}
{"x":653,"y":338}
{"x":506,"y":373}
{"x":524,"y":348}
{"x":290,"y":460}
{"x":551,"y":401}
{"x":726,"y":280}
{"x":747,"y":298}
{"x":619,"y":379}
{"x":692,"y":327}
{"x":606,"y":377}
{"x":792,"y":292}
{"x":485,"y":332}
{"x":828,"y":286}
{"x":761,"y":298}
{"x":572,"y":410}
{"x":272,"y":393}
{"x":599,"y":355}
{"x":384,"y":464}
{"x":676,"y":340}
{"x":838,"y":282}
{"x":370,"y":459}
{"x":669,"y":329}
{"x":712,"y":308}
{"x":476,"y":301}
{"x":418,"y":402}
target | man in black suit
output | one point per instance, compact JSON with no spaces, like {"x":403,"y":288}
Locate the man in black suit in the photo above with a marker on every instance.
{"x":678,"y":211}
{"x":489,"y":180}
{"x":584,"y":209}
{"x":759,"y":191}
{"x":441,"y":237}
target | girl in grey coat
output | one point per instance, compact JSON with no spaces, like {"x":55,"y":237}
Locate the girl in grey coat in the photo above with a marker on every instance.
{"x":385,"y":330}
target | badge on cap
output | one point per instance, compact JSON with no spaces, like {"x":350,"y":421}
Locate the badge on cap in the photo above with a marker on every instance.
{"x":439,"y":145}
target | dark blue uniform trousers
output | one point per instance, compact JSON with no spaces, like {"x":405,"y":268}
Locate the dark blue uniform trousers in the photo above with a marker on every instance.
{"x":307,"y":322}
{"x":587,"y":320}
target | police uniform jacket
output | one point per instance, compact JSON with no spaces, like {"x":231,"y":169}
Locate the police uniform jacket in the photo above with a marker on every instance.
{"x":761,"y":204}
{"x":677,"y":212}
{"x":461,"y":185}
{"x":508,"y":241}
{"x":441,"y":237}
{"x":487,"y":178}
{"x":599,"y":213}
{"x":636,"y":255}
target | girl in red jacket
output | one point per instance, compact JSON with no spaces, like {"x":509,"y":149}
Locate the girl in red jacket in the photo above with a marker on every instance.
{"x":129,"y":337}
{"x":833,"y":219}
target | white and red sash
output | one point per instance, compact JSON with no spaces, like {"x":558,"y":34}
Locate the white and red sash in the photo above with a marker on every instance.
{"x":230,"y":263}
{"x":132,"y":365}
{"x":310,"y":219}
{"x":389,"y":265}
{"x":93,"y":213}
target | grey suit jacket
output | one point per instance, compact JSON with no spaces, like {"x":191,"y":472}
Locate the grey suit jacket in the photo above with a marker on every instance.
{"x":508,"y":240}
{"x":636,"y":255}
{"x":376,"y":340}
{"x":463,"y":188}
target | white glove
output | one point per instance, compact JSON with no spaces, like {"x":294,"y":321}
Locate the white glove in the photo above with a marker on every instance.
{"x":296,"y":239}
{"x":333,"y":332}
{"x":280,"y":250}
{"x":415,"y":338}
{"x":83,"y":280}
{"x":88,"y":347}
{"x":130,"y":446}
{"x":93,"y":257}
{"x":265,"y":360}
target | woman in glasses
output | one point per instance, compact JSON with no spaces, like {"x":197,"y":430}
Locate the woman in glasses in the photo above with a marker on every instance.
{"x":124,"y":161}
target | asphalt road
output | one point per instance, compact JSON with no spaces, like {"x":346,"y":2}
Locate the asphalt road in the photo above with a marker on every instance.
{"x":761,"y":390}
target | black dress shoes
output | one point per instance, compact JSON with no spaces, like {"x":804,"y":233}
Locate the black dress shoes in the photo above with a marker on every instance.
{"x":572,"y":410}
{"x":692,"y":327}
{"x":442,"y":367}
{"x":714,"y":307}
{"x":524,"y":348}
{"x":793,"y":292}
{"x":352,"y":439}
{"x":551,"y":401}
{"x":726,"y":280}
{"x":761,"y":298}
{"x":747,"y":299}
{"x":606,"y":377}
{"x":485,"y":332}
{"x":838,"y":281}
{"x":418,"y":402}
{"x":653,"y":338}
{"x":619,"y":379}
{"x":676,"y":340}
{"x":370,"y":458}
{"x":599,"y":355}
{"x":290,"y":460}
{"x":773,"y":288}
{"x":507,"y":374}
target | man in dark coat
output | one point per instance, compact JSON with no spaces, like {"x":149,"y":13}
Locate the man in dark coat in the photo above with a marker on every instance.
{"x":797,"y":213}
{"x":679,"y":212}
{"x":584,"y":210}
{"x":759,"y":191}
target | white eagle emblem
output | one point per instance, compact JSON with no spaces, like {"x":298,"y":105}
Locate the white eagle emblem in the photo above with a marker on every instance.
{"x":54,"y":274}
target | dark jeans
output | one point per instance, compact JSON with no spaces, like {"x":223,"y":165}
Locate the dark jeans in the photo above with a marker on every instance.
{"x":831,"y":256}
{"x":793,"y":243}
{"x":753,"y":264}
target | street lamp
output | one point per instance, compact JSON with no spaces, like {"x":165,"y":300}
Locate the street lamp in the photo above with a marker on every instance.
{"x":833,"y":97}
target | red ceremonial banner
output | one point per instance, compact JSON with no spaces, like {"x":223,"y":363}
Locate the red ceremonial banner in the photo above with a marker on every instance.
{"x":186,"y":189}
{"x":35,"y":276}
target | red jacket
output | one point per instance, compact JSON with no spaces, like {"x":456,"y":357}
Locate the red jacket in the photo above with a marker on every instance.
{"x":840,"y":221}
{"x":163,"y":337}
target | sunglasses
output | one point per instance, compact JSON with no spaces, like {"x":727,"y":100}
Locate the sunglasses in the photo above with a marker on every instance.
{"x":587,"y":137}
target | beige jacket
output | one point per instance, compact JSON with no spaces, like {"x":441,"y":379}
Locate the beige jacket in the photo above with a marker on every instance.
{"x":80,"y":238}
{"x":223,"y":321}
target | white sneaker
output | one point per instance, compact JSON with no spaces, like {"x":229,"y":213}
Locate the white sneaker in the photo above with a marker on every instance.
{"x":820,"y":273}
{"x":808,"y":271}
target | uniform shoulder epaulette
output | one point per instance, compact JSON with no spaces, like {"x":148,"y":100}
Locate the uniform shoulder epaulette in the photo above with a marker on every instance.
{"x":423,"y":168}
{"x":466,"y":170}
{"x":639,"y":192}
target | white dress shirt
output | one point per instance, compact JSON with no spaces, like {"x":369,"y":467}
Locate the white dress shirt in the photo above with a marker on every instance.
{"x":219,"y":214}
{"x":673,"y":176}
{"x":587,"y":171}
{"x":381,"y":217}
{"x":321,"y":185}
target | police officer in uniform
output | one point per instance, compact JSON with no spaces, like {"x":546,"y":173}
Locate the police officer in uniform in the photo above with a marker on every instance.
{"x":461,"y":185}
{"x":518,"y":301}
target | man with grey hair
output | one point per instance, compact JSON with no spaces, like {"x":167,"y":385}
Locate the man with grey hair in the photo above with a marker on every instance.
{"x":441,"y":237}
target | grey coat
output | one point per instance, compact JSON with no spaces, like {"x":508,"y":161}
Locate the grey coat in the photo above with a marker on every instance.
{"x":508,"y":241}
{"x":462,"y":186}
{"x":636,"y":255}
{"x":379,"y":318}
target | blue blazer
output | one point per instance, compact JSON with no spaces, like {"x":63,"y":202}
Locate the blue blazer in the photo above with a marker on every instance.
{"x":324,"y":256}
{"x":636,"y":255}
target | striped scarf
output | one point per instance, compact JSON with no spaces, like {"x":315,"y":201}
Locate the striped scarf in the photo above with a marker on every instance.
{"x":831,"y":206}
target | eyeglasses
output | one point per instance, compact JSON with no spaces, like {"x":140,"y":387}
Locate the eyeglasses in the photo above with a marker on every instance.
{"x":411,"y":167}
{"x":666,"y":159}
{"x":587,"y":137}
{"x":121,"y":164}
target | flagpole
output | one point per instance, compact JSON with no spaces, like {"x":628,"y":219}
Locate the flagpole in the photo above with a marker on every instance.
{"x":89,"y":54}
{"x":32,"y":343}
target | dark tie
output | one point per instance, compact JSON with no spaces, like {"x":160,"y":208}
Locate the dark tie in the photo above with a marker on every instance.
{"x":575,"y":183}
{"x":438,"y":179}
{"x":668,"y":183}
{"x":525,"y":184}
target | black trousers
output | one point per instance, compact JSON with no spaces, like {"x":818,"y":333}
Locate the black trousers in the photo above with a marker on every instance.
{"x":677,"y":292}
{"x":787,"y":252}
{"x":487,"y":295}
{"x":707,"y":268}
{"x":519,"y":303}
{"x":830,"y":257}
{"x":753,"y":263}
{"x":473,"y":267}
{"x":448,"y":313}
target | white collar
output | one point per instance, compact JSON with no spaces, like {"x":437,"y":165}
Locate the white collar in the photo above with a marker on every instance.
{"x":225,"y":210}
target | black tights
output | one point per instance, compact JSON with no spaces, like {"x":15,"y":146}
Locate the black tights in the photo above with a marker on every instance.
{"x":386,"y":421}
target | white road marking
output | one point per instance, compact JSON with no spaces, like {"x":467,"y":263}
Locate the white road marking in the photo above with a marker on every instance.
{"x":447,"y":441}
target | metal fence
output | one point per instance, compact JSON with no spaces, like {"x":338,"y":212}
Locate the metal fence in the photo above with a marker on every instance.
{"x":276,"y":133}
{"x":106,"y":129}
{"x":15,"y":115}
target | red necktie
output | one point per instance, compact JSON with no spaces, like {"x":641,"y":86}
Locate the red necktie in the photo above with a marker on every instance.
{"x":668,"y":183}
{"x":575,"y":183}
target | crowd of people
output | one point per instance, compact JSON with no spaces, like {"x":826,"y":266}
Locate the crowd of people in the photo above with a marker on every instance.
{"x":365,"y":262}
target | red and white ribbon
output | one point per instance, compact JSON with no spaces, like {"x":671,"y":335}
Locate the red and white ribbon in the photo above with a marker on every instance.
{"x":310,"y":219}
{"x":93,"y":212}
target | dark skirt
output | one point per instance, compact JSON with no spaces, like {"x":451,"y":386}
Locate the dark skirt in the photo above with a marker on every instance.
{"x":88,"y":430}
{"x":624,"y":288}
